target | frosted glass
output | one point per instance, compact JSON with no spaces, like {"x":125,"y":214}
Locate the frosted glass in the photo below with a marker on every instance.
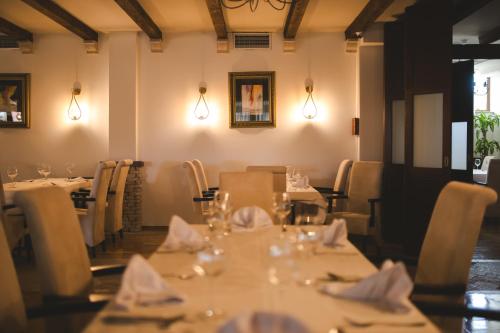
{"x":459,"y":145}
{"x":428,"y":131}
{"x":398,"y":132}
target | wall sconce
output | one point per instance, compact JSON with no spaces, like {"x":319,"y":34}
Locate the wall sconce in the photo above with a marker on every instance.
{"x":310,"y":110}
{"x":74,"y":111}
{"x":201,"y":110}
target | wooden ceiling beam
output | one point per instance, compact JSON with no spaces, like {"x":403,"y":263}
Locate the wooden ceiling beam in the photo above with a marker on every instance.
{"x":14,"y":31}
{"x":137,"y":13}
{"x":58,"y":14}
{"x":372,"y":10}
{"x":295,"y":15}
{"x":217,"y":15}
{"x":490,"y":36}
{"x":466,"y":8}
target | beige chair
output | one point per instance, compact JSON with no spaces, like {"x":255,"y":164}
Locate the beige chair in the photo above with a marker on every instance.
{"x":340,"y":186}
{"x":12,"y":314}
{"x":486,"y":163}
{"x":201,"y":200}
{"x":92,"y":219}
{"x":493,"y":181}
{"x":114,"y":210}
{"x":363,"y":195}
{"x":202,"y":177}
{"x":279,"y":175}
{"x":58,"y":243}
{"x":249,"y":189}
{"x":13,"y":221}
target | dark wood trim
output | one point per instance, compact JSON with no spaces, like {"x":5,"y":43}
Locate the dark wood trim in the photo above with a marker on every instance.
{"x":137,"y":13}
{"x":467,"y":8}
{"x":476,"y":51}
{"x":55,"y":12}
{"x":490,"y":36}
{"x":368,"y":15}
{"x":217,"y":15}
{"x":295,"y":15}
{"x":14,"y":31}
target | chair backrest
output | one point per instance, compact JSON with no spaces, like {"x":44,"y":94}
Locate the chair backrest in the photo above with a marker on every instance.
{"x":342,"y":176}
{"x":452,"y":234}
{"x":114,"y":210}
{"x":279,"y":175}
{"x":97,"y":209}
{"x":200,"y":172}
{"x":2,"y":194}
{"x":195,"y":187}
{"x":365,"y":182}
{"x":58,"y":243}
{"x":486,"y":162}
{"x":12,"y":314}
{"x":493,"y":181}
{"x":249,"y":189}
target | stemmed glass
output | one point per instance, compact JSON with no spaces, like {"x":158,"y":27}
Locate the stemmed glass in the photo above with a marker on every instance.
{"x":210,"y":263}
{"x":477,"y":162}
{"x":44,"y":170}
{"x":12,"y":174}
{"x":282,"y":206}
{"x":308,"y":217}
{"x":69,"y":170}
{"x":222,"y":206}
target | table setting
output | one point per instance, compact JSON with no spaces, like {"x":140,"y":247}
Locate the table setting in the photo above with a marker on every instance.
{"x":245,"y":274}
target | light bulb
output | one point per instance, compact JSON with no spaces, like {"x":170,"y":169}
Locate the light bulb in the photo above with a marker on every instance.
{"x":74,"y":111}
{"x":310,"y":110}
{"x":201,"y":110}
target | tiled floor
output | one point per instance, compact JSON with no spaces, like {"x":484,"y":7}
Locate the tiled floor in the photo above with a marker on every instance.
{"x":484,"y":275}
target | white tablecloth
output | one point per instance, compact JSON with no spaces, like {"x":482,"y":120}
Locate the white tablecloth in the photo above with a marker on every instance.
{"x":479,"y":176}
{"x":71,"y":186}
{"x":303,"y":194}
{"x":244,"y":286}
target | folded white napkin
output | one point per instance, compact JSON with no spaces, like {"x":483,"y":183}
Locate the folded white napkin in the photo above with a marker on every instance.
{"x":389,"y":287}
{"x":182,"y":236}
{"x":142,"y":285}
{"x":335,"y":234}
{"x":263,"y":322}
{"x":250,"y":219}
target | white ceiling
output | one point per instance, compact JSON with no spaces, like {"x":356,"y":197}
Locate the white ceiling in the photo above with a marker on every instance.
{"x":192,"y":15}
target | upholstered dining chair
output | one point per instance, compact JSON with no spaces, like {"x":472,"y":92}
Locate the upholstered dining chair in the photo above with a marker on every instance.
{"x":13,"y":221}
{"x":249,"y":189}
{"x":279,"y":175}
{"x":360,"y":206}
{"x":486,"y":162}
{"x":114,"y":209}
{"x":59,"y":246}
{"x":339,"y":187}
{"x":493,"y":182}
{"x":201,"y":200}
{"x":202,"y":178}
{"x":92,"y":218}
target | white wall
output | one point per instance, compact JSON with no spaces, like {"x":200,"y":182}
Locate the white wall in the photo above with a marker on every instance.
{"x":168,"y":133}
{"x":53,"y":138}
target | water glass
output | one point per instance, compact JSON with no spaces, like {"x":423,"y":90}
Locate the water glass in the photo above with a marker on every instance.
{"x":282,"y":207}
{"x":222,"y":205}
{"x":12,"y":174}
{"x":209,"y":264}
{"x":44,"y":170}
{"x":70,"y":166}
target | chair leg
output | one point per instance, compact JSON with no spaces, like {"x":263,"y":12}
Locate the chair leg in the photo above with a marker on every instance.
{"x":121,"y":233}
{"x":113,"y":239}
{"x":92,"y":251}
{"x":28,"y":247}
{"x":103,"y":246}
{"x":363,"y":244}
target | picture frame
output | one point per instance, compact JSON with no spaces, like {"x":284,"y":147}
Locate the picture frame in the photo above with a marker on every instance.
{"x":252,"y":99}
{"x":15,"y":100}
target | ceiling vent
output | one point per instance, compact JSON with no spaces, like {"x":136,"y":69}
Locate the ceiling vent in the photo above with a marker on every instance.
{"x":8,"y":43}
{"x":251,"y":40}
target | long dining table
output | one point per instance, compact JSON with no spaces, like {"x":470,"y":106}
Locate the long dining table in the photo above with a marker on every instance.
{"x":244,"y":286}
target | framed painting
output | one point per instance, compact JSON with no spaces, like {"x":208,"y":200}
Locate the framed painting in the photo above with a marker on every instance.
{"x":252,"y":99}
{"x":14,"y":100}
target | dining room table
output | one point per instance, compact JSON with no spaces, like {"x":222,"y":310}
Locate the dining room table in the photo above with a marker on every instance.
{"x":245,"y":285}
{"x":69,"y":185}
{"x":302,"y":193}
{"x":479,"y":176}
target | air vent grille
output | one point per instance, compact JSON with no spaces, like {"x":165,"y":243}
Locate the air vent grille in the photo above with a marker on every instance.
{"x":8,"y":43}
{"x":252,"y":41}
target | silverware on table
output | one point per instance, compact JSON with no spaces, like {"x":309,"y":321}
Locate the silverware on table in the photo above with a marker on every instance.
{"x":342,"y":278}
{"x":357,"y":322}
{"x":161,"y":321}
{"x":182,"y":276}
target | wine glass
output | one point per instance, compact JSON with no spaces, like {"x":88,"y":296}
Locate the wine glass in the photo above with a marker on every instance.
{"x":12,"y":174}
{"x":210,"y":263}
{"x":477,"y":162}
{"x":308,"y":217}
{"x":222,"y":206}
{"x":70,"y":166}
{"x":39,"y":168}
{"x":44,"y":170}
{"x":282,"y":206}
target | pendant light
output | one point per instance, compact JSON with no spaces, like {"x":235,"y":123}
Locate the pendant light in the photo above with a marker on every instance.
{"x":74,"y":110}
{"x":310,"y":111}
{"x":201,"y":110}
